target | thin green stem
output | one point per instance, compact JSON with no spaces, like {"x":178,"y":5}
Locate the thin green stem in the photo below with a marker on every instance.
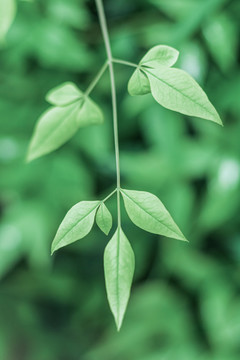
{"x":123,"y":62}
{"x":104,"y":29}
{"x":96,"y":79}
{"x":108,"y":197}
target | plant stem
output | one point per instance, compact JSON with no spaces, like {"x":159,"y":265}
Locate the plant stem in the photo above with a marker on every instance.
{"x":118,"y":61}
{"x":104,"y":29}
{"x":96,"y":79}
{"x":107,"y":197}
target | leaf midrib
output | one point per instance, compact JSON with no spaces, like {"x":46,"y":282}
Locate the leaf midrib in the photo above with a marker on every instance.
{"x":186,"y":96}
{"x":117,"y":280}
{"x":149,"y":213}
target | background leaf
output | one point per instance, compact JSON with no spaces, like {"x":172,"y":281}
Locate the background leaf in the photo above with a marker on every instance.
{"x":7,"y":14}
{"x":119,"y":266}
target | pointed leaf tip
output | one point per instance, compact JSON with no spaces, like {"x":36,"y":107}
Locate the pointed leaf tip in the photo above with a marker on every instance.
{"x":119,"y":263}
{"x":176,"y":90}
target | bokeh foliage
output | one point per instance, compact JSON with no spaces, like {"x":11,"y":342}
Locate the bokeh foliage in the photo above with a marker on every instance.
{"x":185,"y":299}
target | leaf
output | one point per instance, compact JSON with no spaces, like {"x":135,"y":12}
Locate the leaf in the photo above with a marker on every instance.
{"x":119,"y":266}
{"x":89,"y":114}
{"x":64,"y":94}
{"x":148,"y":212}
{"x":77,"y":223}
{"x":160,"y":55}
{"x":7,"y":14}
{"x":54,"y":128}
{"x":104,"y":219}
{"x":139,"y":83}
{"x":59,"y":124}
{"x":176,"y":90}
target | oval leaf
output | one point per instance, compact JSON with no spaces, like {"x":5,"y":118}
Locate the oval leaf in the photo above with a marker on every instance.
{"x":176,"y":90}
{"x":64,"y":94}
{"x":119,"y":266}
{"x":77,"y":223}
{"x":104,"y":219}
{"x":148,"y":212}
{"x":160,"y":55}
{"x":53,"y":129}
{"x":139,"y":83}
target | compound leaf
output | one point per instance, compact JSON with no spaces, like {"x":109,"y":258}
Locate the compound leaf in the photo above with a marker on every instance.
{"x":119,"y":263}
{"x":160,"y":55}
{"x":64,"y":94}
{"x":104,"y":219}
{"x":54,"y":128}
{"x":76,"y":224}
{"x":139,"y":83}
{"x":148,"y":212}
{"x":178,"y":91}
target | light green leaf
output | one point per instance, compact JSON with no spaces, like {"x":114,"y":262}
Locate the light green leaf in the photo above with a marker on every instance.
{"x":64,"y":94}
{"x":148,"y":212}
{"x":58,"y":124}
{"x":7,"y":14}
{"x":77,"y":223}
{"x":89,"y":114}
{"x":176,"y":90}
{"x":53,"y":129}
{"x":139,"y":83}
{"x":119,"y":266}
{"x":160,"y":55}
{"x":104,"y":219}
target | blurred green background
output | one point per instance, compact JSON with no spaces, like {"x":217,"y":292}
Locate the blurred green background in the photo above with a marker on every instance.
{"x":185,"y":301}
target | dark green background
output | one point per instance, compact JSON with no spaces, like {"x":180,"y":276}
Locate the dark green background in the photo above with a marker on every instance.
{"x":185,"y":300}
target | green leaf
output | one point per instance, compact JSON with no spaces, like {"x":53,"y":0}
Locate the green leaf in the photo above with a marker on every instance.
{"x":119,"y":266}
{"x":64,"y":94}
{"x":54,"y":128}
{"x":160,"y":55}
{"x":148,"y":212}
{"x":58,"y":124}
{"x":104,"y":219}
{"x":89,"y":114}
{"x":77,"y":223}
{"x":176,"y":90}
{"x":139,"y":83}
{"x":7,"y":14}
